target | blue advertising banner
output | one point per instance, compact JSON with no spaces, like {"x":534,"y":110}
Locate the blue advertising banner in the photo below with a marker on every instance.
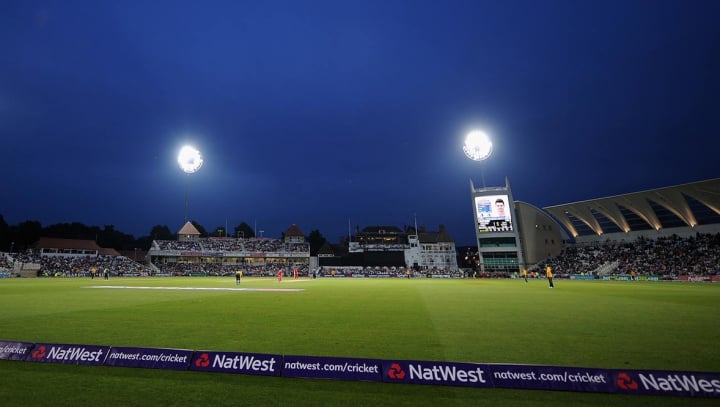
{"x":666,"y":383}
{"x":14,"y":350}
{"x":560,"y":378}
{"x":439,"y":373}
{"x":316,"y":367}
{"x":514,"y":376}
{"x":234,"y":362}
{"x":68,"y":354}
{"x":551,"y":378}
{"x":151,"y":358}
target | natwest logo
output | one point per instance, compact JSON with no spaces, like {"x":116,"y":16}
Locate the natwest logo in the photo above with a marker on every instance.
{"x":443,"y":373}
{"x":231,"y":362}
{"x":244,"y":362}
{"x":74,"y":354}
{"x":38,"y":353}
{"x":671,"y":383}
{"x":203,"y":360}
{"x":625,"y":382}
{"x":446,"y":373}
{"x":396,"y":372}
{"x":69,"y":354}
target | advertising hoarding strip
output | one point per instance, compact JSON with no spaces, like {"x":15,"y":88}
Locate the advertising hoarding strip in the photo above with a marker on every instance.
{"x":150,"y":358}
{"x":666,"y":383}
{"x":486,"y":375}
{"x":319,"y":367}
{"x":69,"y":354}
{"x":236,"y":362}
{"x":437,"y":373}
{"x":10,"y":350}
{"x":561,"y":378}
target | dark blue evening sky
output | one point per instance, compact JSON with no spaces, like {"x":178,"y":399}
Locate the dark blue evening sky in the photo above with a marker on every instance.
{"x":324,"y":113}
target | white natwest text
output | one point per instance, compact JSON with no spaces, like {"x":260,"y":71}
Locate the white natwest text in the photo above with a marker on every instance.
{"x":677,"y":382}
{"x":74,"y":354}
{"x":446,"y":373}
{"x":244,"y":363}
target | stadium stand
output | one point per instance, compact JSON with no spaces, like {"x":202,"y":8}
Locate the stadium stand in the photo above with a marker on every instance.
{"x":670,"y":257}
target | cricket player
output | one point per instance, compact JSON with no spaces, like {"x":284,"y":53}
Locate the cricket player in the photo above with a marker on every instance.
{"x":549,"y":275}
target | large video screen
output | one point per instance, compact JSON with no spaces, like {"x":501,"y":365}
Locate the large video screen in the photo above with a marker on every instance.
{"x":493,"y":213}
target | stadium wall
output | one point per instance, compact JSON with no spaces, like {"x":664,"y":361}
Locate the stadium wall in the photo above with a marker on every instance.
{"x":540,"y":235}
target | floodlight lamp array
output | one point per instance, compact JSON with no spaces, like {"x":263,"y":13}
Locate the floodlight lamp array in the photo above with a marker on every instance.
{"x":190,"y":159}
{"x":477,"y":146}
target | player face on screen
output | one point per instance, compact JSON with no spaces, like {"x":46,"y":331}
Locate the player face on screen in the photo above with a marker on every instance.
{"x":500,"y":208}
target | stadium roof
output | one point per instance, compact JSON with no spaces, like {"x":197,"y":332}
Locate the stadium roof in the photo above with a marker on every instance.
{"x":435,"y":237}
{"x":63,"y":244}
{"x":189,"y":229}
{"x":686,"y":205}
{"x":294,"y":230}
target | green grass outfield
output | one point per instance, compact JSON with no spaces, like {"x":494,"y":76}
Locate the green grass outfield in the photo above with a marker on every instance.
{"x":633,"y":325}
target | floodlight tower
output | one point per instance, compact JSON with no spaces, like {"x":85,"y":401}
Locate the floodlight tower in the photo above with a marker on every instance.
{"x":478,"y":147}
{"x":190,"y":161}
{"x":496,"y":224}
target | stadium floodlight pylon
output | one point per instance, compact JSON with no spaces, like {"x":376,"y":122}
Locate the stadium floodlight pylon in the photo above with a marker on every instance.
{"x":478,"y":147}
{"x":190,"y":161}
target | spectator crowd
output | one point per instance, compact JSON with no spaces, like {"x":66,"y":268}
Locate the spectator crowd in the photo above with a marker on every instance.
{"x":671,"y":256}
{"x":251,"y":245}
{"x":667,"y":256}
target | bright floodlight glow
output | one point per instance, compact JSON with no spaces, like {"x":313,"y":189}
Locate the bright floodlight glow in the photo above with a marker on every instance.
{"x":190,"y":159}
{"x":477,"y":145}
